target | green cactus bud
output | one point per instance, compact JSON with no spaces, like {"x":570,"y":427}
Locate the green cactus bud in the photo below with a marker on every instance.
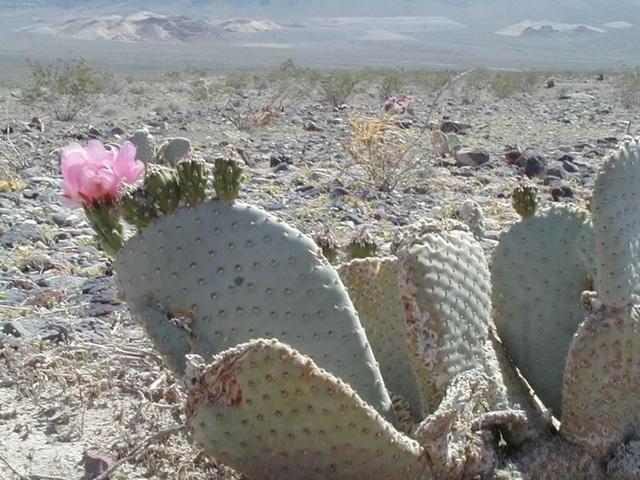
{"x":363,"y":245}
{"x":227,"y":177}
{"x":105,"y":221}
{"x":136,"y":206}
{"x":327,"y":241}
{"x":525,"y":200}
{"x":162,"y":187}
{"x":192,"y":178}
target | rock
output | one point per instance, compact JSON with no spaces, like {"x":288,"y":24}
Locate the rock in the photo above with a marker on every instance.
{"x":22,"y":234}
{"x":101,"y":294}
{"x":471,"y":158}
{"x":278,"y":159}
{"x":513,"y":156}
{"x":97,"y":463}
{"x":117,"y":131}
{"x":311,"y":126}
{"x":576,"y":96}
{"x":555,"y":171}
{"x":600,"y":77}
{"x":569,"y":166}
{"x":338,"y":192}
{"x":92,"y":329}
{"x":449,"y":126}
{"x":94,"y":132}
{"x":561,"y":192}
{"x":535,"y":165}
{"x":36,"y":123}
{"x":29,"y":328}
{"x":551,"y":82}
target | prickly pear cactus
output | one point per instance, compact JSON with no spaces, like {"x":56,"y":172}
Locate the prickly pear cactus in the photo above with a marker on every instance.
{"x":601,"y":393}
{"x":228,"y":273}
{"x":625,"y":462}
{"x":172,"y":150}
{"x":461,"y":438}
{"x":362,"y":245}
{"x":525,"y":200}
{"x":227,"y":178}
{"x":372,"y":284}
{"x":538,"y":274}
{"x":615,"y":208}
{"x":471,"y":214}
{"x":328,"y":243}
{"x":145,"y":145}
{"x":444,"y":283}
{"x":270,"y":412}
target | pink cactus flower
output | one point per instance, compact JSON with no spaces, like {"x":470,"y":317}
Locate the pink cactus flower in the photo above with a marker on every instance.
{"x":389,"y":104}
{"x":93,"y":174}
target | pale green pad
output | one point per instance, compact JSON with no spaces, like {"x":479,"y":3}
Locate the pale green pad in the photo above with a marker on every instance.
{"x":615,"y":209}
{"x":270,"y":412}
{"x":538,"y":274}
{"x":601,"y":392}
{"x":231,"y":273}
{"x":372,"y":284}
{"x":446,"y":293}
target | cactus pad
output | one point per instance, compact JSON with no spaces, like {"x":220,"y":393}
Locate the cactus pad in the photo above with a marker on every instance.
{"x":270,"y":412}
{"x":172,"y":150}
{"x":601,"y":394}
{"x":372,"y":284}
{"x":444,"y":283}
{"x":538,"y":275}
{"x":615,"y":209}
{"x":145,"y":145}
{"x":229,"y":273}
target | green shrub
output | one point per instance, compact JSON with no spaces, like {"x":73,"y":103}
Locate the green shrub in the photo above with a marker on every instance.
{"x":66,"y":87}
{"x":629,"y":88}
{"x":339,"y":86}
{"x":390,"y":85}
{"x":507,"y":84}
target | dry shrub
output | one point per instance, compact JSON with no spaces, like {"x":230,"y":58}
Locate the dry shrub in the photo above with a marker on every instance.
{"x":377,"y":146}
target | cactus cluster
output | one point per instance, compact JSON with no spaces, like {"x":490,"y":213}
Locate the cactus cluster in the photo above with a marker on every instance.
{"x":413,"y":366}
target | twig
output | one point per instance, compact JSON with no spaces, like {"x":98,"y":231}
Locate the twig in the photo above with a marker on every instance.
{"x":156,"y":437}
{"x":32,"y":476}
{"x":443,"y":89}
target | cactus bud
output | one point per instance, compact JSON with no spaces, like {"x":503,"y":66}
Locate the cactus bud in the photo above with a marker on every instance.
{"x":162,"y":188}
{"x":227,"y":176}
{"x":525,"y":200}
{"x":105,"y":221}
{"x":363,"y":245}
{"x":192,"y":178}
{"x":327,"y":241}
{"x":136,"y":206}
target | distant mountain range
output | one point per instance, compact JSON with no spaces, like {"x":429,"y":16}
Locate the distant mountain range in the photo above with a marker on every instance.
{"x":247,"y":33}
{"x":590,"y":12}
{"x":139,"y":26}
{"x":144,"y":26}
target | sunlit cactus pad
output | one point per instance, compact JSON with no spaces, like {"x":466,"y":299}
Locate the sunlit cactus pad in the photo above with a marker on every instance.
{"x":372,"y":284}
{"x":228,"y":273}
{"x":615,"y":209}
{"x":272,"y":413}
{"x":601,"y":396}
{"x":538,"y":274}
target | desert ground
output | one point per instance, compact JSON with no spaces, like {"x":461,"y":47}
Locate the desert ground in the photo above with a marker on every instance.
{"x":81,"y":388}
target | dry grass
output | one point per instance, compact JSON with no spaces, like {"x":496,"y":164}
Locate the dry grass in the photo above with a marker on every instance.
{"x":58,"y":401}
{"x":376,"y":146}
